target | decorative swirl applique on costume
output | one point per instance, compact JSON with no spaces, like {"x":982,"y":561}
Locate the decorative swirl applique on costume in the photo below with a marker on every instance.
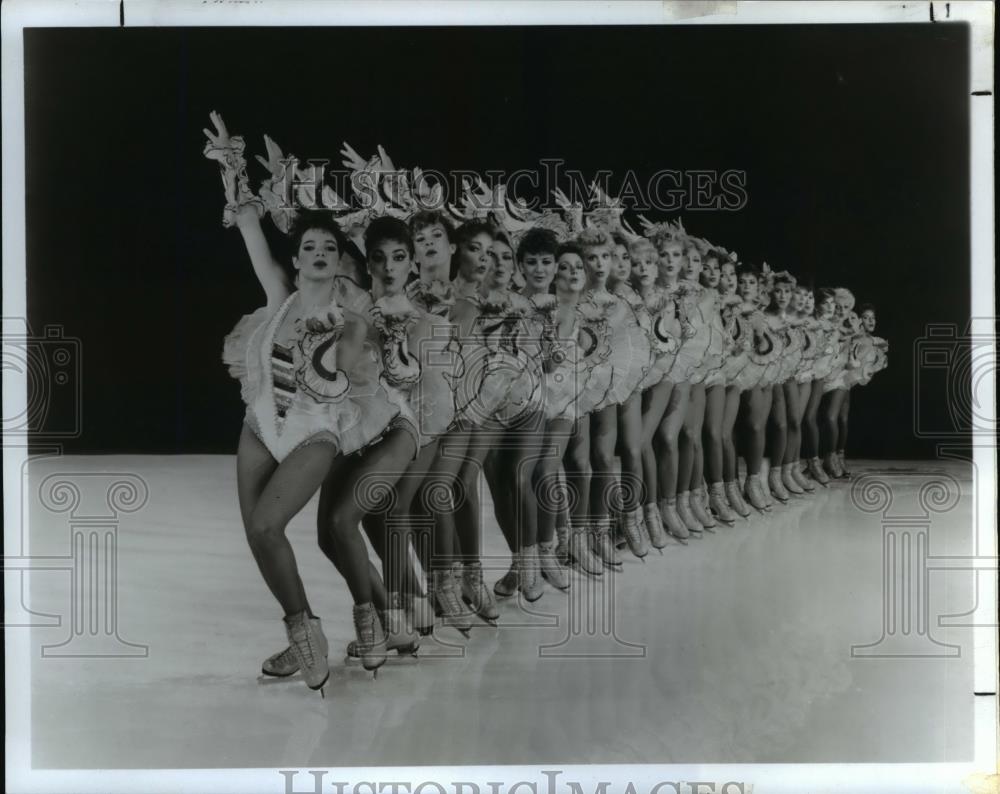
{"x":435,"y":298}
{"x":316,"y":372}
{"x":595,"y":341}
{"x":664,"y":333}
{"x":634,"y":330}
{"x":393,"y":318}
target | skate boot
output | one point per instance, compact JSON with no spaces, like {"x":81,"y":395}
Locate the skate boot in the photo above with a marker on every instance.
{"x":789,"y":481}
{"x":754,"y":491}
{"x":777,"y":487}
{"x":420,"y":612}
{"x":672,"y":520}
{"x":800,"y":478}
{"x":654,"y":527}
{"x":476,"y":594}
{"x":843,"y":466}
{"x":732,"y":490}
{"x":832,"y":467}
{"x":284,"y":663}
{"x":602,"y":546}
{"x":718,"y":504}
{"x":815,"y":468}
{"x":448,"y":605}
{"x":550,"y":568}
{"x":308,"y":645}
{"x":507,"y":584}
{"x":562,"y":544}
{"x":370,"y":635}
{"x":531,"y":579}
{"x":638,"y":542}
{"x":400,"y":636}
{"x":684,"y":511}
{"x":699,"y":511}
{"x":579,"y":552}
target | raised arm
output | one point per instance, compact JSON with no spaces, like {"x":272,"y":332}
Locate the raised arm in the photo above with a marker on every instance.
{"x":244,"y":210}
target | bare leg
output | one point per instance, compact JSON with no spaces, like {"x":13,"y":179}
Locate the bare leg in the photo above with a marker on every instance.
{"x":548,"y":491}
{"x":630,"y":452}
{"x":691,"y":459}
{"x":668,"y":438}
{"x":842,"y":422}
{"x":730,"y":411}
{"x":654,"y":407}
{"x":810,"y":431}
{"x":270,"y":495}
{"x":777,"y":427}
{"x":347,"y":495}
{"x":792,"y":414}
{"x":603,"y":434}
{"x":577,"y":464}
{"x":712,"y":433}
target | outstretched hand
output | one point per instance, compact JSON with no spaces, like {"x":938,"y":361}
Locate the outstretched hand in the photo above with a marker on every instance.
{"x":219,"y":141}
{"x":274,"y":162}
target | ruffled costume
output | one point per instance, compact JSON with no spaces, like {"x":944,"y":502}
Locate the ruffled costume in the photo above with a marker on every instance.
{"x":560,"y":358}
{"x":810,"y":351}
{"x":634,"y":327}
{"x":829,"y":345}
{"x":793,"y":342}
{"x":740,"y":342}
{"x":664,"y":332}
{"x":841,"y":361}
{"x":769,"y":377}
{"x":419,"y":357}
{"x":497,"y":381}
{"x":621,"y":356}
{"x":696,"y":335}
{"x":763,"y":352}
{"x":718,"y":347}
{"x":596,"y":370}
{"x":297,"y":395}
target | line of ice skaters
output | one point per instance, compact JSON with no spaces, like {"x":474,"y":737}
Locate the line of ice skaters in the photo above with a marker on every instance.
{"x":415,"y":349}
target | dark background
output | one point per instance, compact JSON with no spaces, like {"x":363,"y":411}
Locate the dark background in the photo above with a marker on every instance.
{"x":854,"y":140}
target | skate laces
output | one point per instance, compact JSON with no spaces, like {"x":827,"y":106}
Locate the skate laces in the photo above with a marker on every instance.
{"x":364,"y":625}
{"x":303,"y":639}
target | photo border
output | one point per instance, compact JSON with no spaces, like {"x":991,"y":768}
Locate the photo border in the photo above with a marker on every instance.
{"x":20,"y":14}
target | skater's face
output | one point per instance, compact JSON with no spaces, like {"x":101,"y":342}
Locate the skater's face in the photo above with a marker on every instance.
{"x":622,"y":263}
{"x":851,"y":322}
{"x":503,"y":265}
{"x":808,"y":302}
{"x":844,"y":304}
{"x":827,"y":308}
{"x":798,"y":300}
{"x":539,"y":270}
{"x":644,"y":269}
{"x":571,"y":275}
{"x":782,"y":292}
{"x":318,"y":255}
{"x":475,"y":257}
{"x":432,"y":251}
{"x":710,"y":274}
{"x":598,"y":261}
{"x":868,"y":321}
{"x":747,"y":287}
{"x":727,"y":278}
{"x":671,"y":256}
{"x":389,"y":262}
{"x":693,"y":264}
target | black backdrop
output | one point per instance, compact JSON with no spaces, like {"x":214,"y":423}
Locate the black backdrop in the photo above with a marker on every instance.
{"x":854,"y":140}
